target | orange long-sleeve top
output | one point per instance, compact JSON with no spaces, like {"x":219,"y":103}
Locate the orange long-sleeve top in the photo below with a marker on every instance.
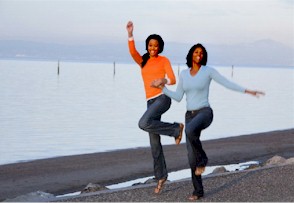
{"x":155,"y":68}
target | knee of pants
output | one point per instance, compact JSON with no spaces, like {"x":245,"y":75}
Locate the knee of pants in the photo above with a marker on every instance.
{"x":143,"y":124}
{"x":192,"y":133}
{"x":189,"y":133}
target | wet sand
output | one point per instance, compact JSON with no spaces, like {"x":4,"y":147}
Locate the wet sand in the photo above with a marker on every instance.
{"x":72,"y":173}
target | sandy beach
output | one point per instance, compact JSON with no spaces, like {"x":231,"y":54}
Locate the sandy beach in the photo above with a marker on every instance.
{"x":63,"y":175}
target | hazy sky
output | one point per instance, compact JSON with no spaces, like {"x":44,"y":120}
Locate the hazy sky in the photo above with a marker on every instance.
{"x":93,"y":21}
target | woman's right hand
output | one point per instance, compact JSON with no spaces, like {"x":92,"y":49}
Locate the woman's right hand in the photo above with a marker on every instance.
{"x":130,"y":28}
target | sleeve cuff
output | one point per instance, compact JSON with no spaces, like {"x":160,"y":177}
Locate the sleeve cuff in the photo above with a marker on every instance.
{"x":168,"y":81}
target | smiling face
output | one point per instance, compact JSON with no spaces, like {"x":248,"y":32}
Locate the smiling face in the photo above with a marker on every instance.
{"x":153,"y":48}
{"x":197,"y":55}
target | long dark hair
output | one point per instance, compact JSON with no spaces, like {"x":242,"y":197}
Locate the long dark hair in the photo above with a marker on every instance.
{"x":189,"y":57}
{"x":146,"y":56}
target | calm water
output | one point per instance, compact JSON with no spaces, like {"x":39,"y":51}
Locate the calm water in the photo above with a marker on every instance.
{"x":87,"y":109}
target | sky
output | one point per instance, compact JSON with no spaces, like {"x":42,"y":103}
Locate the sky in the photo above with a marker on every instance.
{"x":185,"y":21}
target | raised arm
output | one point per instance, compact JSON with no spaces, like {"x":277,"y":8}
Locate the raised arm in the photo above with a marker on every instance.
{"x":131,"y":43}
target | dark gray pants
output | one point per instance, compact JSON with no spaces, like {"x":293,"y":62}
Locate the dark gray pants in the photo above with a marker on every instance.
{"x":151,"y":123}
{"x":196,"y":121}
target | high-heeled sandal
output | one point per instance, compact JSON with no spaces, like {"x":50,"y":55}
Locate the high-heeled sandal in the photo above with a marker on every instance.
{"x":160,"y":185}
{"x":179,"y":138}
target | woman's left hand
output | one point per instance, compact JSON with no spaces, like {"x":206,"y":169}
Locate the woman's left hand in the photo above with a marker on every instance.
{"x":255,"y":93}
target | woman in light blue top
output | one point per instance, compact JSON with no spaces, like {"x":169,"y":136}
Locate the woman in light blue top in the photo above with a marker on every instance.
{"x":195,"y":82}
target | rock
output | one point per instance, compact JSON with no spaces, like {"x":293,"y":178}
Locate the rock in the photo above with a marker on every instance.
{"x":219,"y":170}
{"x":93,"y":188}
{"x":276,"y":160}
{"x":38,"y":196}
{"x":290,"y":161}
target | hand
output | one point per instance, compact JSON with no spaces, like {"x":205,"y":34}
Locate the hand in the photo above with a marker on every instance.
{"x":158,"y":83}
{"x":130,"y":28}
{"x":255,"y":93}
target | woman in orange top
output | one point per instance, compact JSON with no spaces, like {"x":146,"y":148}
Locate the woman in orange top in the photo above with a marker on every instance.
{"x":154,"y":66}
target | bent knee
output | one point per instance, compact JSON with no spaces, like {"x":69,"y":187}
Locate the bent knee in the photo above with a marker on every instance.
{"x":143,"y":124}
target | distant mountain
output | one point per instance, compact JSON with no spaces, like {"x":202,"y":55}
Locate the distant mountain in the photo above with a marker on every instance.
{"x":261,"y":53}
{"x":50,"y":51}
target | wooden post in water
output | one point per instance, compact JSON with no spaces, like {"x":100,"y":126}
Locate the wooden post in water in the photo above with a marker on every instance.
{"x":113,"y":68}
{"x":58,"y":68}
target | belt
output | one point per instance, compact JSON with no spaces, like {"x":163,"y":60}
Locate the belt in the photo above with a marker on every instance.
{"x":194,"y":111}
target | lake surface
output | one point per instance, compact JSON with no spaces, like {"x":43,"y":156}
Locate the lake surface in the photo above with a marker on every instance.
{"x":87,"y":109}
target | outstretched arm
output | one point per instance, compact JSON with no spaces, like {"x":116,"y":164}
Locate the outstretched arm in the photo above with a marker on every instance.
{"x":231,"y":85}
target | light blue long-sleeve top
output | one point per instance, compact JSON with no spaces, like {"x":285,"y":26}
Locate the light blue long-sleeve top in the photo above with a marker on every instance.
{"x":196,"y":87}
